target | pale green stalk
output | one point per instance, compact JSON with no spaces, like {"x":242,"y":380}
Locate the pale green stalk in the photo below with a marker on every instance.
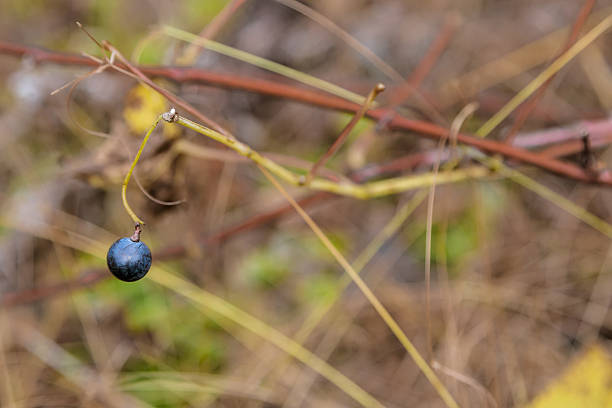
{"x":378,"y":306}
{"x":264,"y":64}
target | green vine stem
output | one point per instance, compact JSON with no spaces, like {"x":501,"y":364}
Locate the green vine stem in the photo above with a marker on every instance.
{"x":362,"y":191}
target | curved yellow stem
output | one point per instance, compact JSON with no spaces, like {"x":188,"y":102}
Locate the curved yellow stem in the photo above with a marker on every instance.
{"x":126,"y":180}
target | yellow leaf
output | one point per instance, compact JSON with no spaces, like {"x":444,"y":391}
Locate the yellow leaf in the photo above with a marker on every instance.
{"x":142,"y":106}
{"x":585,"y":383}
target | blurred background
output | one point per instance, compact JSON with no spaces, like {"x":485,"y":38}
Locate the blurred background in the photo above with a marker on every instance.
{"x":520,"y":288}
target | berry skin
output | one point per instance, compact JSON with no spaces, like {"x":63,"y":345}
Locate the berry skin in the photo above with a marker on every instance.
{"x":129,"y":260}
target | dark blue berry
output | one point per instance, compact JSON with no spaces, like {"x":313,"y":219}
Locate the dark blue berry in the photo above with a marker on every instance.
{"x":129,"y":260}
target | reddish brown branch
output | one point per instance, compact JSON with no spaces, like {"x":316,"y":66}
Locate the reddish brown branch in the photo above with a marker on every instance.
{"x":427,"y":62}
{"x":327,"y":101}
{"x":528,"y":107}
{"x":411,"y":86}
{"x":33,"y":295}
{"x":345,"y":132}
